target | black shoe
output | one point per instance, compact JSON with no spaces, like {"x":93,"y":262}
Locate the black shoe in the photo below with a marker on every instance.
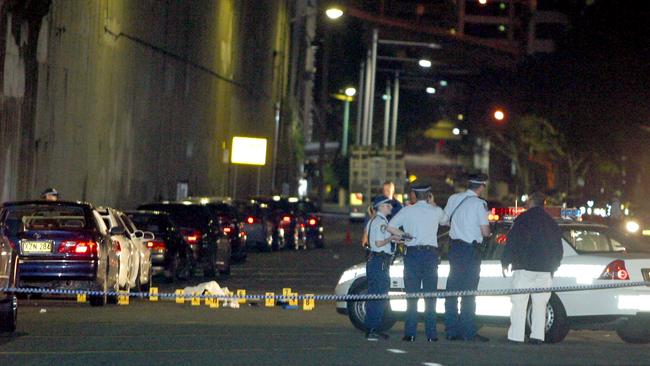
{"x":477,"y":338}
{"x":408,"y":339}
{"x":535,"y":341}
{"x":371,"y":335}
{"x":510,"y":341}
{"x":434,"y":339}
{"x":454,"y":338}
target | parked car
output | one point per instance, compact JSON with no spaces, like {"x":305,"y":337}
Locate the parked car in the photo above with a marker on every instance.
{"x":256,"y":223}
{"x":143,"y":253}
{"x":8,"y":279}
{"x":225,"y":217}
{"x":62,"y":245}
{"x":593,"y":254}
{"x":278,"y":213}
{"x":126,"y":249}
{"x":308,"y":223}
{"x":211,"y":248}
{"x":170,"y":253}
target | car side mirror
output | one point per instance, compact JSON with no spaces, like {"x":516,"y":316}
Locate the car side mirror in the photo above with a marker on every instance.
{"x":116,"y":231}
{"x":139,"y":234}
{"x":148,"y":235}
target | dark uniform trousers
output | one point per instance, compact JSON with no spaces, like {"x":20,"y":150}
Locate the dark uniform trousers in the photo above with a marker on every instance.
{"x":421,"y":275}
{"x":378,"y":283}
{"x":464,"y":272}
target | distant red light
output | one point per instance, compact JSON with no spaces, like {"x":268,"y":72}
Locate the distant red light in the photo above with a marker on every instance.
{"x":286,"y":219}
{"x":312,"y":222}
{"x":250,"y":219}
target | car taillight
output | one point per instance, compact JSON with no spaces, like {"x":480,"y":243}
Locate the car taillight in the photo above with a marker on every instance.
{"x":78,"y":247}
{"x":615,"y":271}
{"x":227,"y":230}
{"x":286,"y":219}
{"x":192,"y":237}
{"x":156,"y":245}
{"x":312,"y":222}
{"x":502,"y":239}
{"x":117,"y":246}
{"x":250,"y":220}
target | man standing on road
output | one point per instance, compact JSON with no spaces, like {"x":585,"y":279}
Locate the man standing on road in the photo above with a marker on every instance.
{"x":420,"y":221}
{"x":388,"y":190}
{"x":534,"y":252}
{"x":467,"y":215}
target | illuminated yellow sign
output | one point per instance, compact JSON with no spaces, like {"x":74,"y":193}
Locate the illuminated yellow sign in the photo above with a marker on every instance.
{"x":248,"y":150}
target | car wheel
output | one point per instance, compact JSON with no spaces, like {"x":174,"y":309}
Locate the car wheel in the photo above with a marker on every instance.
{"x":9,"y":314}
{"x":101,"y":300}
{"x":634,"y":332}
{"x":224,"y":253}
{"x":144,"y":287}
{"x":557,"y":323}
{"x":357,"y":309}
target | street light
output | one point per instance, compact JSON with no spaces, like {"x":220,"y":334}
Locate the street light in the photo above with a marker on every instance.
{"x":424,"y":63}
{"x":350,"y":92}
{"x":334,"y":13}
{"x":431,"y":90}
{"x":499,"y":115}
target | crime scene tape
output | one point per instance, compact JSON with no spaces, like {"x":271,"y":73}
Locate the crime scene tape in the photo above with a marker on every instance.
{"x":326,"y":297}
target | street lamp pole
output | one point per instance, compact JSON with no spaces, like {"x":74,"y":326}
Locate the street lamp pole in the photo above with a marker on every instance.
{"x":387,"y":113}
{"x":362,"y":69}
{"x":393,"y":131}
{"x":346,"y":122}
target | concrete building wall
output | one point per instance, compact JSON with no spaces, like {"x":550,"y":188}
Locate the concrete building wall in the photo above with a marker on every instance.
{"x":136,"y":96}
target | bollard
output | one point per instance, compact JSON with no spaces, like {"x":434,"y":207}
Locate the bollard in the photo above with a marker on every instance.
{"x":81,"y":297}
{"x":180,"y":299}
{"x":269,"y":301}
{"x":153,"y":294}
{"x":308,"y":302}
{"x":241,"y":292}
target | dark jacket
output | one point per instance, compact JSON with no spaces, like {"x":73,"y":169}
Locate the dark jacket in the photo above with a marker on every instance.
{"x":534,"y":243}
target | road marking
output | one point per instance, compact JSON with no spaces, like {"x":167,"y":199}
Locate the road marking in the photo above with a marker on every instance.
{"x":431,"y":364}
{"x":394,"y":350}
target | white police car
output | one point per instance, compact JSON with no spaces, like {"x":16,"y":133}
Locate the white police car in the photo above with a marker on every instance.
{"x":593,"y":254}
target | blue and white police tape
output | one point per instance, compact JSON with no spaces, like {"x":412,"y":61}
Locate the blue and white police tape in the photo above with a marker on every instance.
{"x":329,"y":297}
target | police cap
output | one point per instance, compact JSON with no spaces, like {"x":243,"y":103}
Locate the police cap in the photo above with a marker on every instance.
{"x":420,"y":186}
{"x":478,"y":178}
{"x":379,"y":200}
{"x":50,"y":192}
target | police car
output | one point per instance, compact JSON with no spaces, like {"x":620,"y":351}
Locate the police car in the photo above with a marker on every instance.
{"x":593,"y":254}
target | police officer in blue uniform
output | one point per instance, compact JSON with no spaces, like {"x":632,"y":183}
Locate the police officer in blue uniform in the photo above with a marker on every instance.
{"x":467,"y":214}
{"x":420,"y":221}
{"x":377,"y":267}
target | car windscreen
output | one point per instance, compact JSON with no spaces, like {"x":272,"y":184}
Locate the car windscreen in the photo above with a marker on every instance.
{"x":150,"y":222}
{"x":44,"y":217}
{"x":217,"y":209}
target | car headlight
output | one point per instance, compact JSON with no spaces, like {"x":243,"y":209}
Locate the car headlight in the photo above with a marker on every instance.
{"x":632,"y":226}
{"x":349,"y":275}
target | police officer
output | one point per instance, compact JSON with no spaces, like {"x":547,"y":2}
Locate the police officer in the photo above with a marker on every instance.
{"x":388,"y":189}
{"x":378,"y":265}
{"x":50,"y":194}
{"x":467,"y":214}
{"x":420,"y":221}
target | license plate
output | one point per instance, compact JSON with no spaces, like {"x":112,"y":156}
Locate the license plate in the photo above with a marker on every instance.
{"x":30,"y":247}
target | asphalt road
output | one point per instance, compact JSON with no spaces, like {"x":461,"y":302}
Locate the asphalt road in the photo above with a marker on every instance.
{"x":63,"y":332}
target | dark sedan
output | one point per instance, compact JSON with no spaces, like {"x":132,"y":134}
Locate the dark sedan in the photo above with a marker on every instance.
{"x":170,"y":253}
{"x":211,"y":248}
{"x":62,"y":245}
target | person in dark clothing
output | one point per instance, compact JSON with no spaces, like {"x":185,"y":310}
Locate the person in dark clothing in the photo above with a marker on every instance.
{"x":533,"y":252}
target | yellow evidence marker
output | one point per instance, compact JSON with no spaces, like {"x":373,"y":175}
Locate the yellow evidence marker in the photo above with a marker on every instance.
{"x":153,"y":294}
{"x":123,"y":298}
{"x":241,"y":292}
{"x":180,"y":298}
{"x":269,"y":300}
{"x":196,"y":300}
{"x":308,"y":302}
{"x":294,"y":300}
{"x":81,"y":297}
{"x":286,"y":292}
